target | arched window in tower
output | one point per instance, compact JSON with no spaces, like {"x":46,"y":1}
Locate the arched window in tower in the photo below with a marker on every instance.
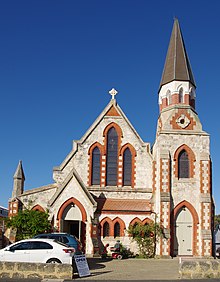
{"x":96,"y":166}
{"x":169,"y":98}
{"x":106,"y":229}
{"x":117,"y":230}
{"x":181,"y":95}
{"x":127,"y":167}
{"x":192,"y":98}
{"x":112,"y":158}
{"x":183,"y":165}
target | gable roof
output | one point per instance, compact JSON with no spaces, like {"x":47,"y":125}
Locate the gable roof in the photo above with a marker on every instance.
{"x":177,"y":65}
{"x":112,"y":109}
{"x":73,"y":173}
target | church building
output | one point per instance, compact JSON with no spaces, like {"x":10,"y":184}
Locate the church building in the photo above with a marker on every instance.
{"x":112,"y":178}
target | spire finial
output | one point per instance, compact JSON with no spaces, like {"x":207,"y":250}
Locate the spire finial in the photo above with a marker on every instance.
{"x":113,"y":92}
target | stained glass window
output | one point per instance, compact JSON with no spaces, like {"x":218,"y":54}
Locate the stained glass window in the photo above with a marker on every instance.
{"x":183,"y":165}
{"x":127,"y":161}
{"x":96,"y":166}
{"x":112,"y":157}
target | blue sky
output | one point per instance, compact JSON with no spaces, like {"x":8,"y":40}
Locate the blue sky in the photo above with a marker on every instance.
{"x":59,"y":59}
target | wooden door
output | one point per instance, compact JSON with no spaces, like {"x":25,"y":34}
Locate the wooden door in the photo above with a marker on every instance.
{"x":183,"y":233}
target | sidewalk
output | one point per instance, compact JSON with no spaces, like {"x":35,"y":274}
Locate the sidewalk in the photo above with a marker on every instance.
{"x":133,"y":269}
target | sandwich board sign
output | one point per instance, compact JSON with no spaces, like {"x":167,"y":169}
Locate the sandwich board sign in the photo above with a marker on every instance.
{"x":82,"y":265}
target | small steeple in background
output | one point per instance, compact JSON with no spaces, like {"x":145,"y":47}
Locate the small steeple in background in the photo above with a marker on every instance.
{"x":19,"y":178}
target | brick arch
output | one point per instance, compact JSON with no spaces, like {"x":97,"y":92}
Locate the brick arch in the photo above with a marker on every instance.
{"x":135,"y":220}
{"x":69,"y":202}
{"x":132,"y":149}
{"x":111,"y":226}
{"x":122,"y":225}
{"x":133,"y":166}
{"x":38,"y":208}
{"x":92,"y":147}
{"x":147,"y":221}
{"x":195,"y":224}
{"x":189,"y":207}
{"x":120,"y":135}
{"x":84,"y":217}
{"x":119,"y":132}
{"x":117,"y":128}
{"x":191,"y":157}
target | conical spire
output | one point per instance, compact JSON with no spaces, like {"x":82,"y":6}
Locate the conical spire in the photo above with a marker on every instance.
{"x":19,"y":173}
{"x":177,"y":65}
{"x":19,"y":179}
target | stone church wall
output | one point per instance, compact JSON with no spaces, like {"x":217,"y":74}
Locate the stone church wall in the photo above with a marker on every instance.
{"x":79,"y":157}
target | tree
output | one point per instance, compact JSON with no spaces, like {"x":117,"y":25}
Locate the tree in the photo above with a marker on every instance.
{"x":29,"y":223}
{"x":146,"y":237}
{"x":216,"y":220}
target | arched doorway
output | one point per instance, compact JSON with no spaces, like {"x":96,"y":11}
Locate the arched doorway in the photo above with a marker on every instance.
{"x":183,"y":235}
{"x":72,"y":219}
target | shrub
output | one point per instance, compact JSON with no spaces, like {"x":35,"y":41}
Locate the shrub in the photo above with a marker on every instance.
{"x":146,"y":237}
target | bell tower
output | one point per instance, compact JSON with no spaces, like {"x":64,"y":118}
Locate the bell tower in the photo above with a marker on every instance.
{"x":182,"y":164}
{"x":177,"y":84}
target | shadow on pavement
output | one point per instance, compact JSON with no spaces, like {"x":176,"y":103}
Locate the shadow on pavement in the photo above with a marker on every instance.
{"x":97,"y":263}
{"x":76,"y":276}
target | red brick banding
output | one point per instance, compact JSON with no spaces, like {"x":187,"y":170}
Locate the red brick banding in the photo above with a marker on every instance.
{"x":133,"y":166}
{"x":92,"y":147}
{"x":103,"y":153}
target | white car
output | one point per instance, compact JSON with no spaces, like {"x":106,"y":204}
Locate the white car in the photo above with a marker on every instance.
{"x":38,"y":250}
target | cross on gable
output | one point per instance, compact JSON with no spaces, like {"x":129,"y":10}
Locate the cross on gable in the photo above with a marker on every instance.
{"x":113,"y":92}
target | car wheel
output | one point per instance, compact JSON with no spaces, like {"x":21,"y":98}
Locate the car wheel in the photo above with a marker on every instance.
{"x":119,"y":257}
{"x":53,"y":260}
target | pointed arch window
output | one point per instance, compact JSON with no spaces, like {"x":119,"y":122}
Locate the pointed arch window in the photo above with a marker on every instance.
{"x":127,"y":167}
{"x":181,"y":95}
{"x":112,"y":157}
{"x":106,"y":229}
{"x":183,"y":165}
{"x":169,"y":98}
{"x":96,"y":166}
{"x":117,"y":229}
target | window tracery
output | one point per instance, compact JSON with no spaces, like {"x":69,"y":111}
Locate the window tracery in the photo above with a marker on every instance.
{"x":111,"y":164}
